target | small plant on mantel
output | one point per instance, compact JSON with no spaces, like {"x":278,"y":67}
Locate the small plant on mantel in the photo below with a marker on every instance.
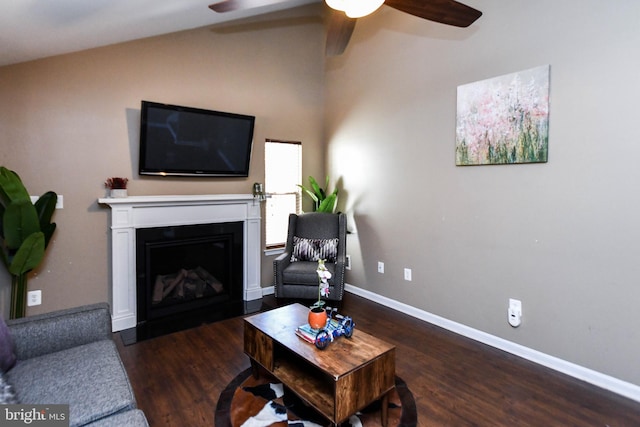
{"x":116,"y":183}
{"x":117,"y":186}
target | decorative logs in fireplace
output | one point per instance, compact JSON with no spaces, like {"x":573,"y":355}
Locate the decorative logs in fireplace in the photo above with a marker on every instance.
{"x":185,"y":285}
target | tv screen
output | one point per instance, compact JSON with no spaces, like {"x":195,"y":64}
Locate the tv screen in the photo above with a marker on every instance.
{"x":185,"y":141}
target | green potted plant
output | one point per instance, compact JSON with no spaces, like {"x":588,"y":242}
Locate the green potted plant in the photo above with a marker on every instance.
{"x":25,"y":230}
{"x":322,"y":202}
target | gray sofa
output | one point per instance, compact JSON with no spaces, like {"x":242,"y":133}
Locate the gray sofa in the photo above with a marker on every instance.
{"x":69,"y":357}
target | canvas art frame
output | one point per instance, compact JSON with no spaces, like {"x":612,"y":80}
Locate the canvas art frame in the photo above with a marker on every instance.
{"x":504,"y":120}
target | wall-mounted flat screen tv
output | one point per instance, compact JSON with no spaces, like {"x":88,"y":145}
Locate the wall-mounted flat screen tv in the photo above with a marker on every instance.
{"x":185,"y":141}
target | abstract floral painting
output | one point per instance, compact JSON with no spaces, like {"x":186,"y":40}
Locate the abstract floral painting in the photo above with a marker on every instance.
{"x":504,"y":120}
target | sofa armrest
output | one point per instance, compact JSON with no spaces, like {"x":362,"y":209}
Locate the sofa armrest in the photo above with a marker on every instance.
{"x":60,"y":330}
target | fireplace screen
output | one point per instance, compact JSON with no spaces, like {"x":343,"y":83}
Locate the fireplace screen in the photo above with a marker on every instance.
{"x":187,"y":267}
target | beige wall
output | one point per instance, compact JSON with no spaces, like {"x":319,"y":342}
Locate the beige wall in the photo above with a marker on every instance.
{"x":69,"y":122}
{"x":563,"y":237}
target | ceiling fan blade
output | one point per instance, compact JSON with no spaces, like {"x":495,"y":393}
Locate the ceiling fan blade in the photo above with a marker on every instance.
{"x":232,"y":5}
{"x":339,"y":33}
{"x":448,"y":12}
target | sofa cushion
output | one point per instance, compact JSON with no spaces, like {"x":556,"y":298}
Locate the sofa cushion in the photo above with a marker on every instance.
{"x":304,"y":273}
{"x":90,"y":378}
{"x":7,"y":348}
{"x":314,"y":249}
{"x":55,"y":331}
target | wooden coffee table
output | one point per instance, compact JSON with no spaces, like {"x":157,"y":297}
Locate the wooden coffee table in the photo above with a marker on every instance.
{"x":348,"y":375}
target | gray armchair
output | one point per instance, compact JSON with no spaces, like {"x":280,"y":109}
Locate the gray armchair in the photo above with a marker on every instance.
{"x":311,"y":236}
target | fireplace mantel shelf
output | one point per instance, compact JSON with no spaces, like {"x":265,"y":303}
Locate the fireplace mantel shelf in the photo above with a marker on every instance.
{"x":175,"y":199}
{"x":133,"y":212}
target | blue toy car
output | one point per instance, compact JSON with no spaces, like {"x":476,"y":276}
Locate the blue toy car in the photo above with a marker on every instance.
{"x":343,"y":326}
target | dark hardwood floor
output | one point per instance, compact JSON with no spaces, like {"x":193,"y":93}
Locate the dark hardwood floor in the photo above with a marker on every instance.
{"x":455,"y":381}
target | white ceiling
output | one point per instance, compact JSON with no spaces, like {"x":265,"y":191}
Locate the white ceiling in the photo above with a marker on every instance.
{"x":32,"y":29}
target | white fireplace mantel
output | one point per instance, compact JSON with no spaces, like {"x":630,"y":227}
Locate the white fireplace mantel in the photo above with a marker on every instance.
{"x":131,"y":213}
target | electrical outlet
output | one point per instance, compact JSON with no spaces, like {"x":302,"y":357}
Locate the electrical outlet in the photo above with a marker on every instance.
{"x":380,"y":267}
{"x":407,"y":274}
{"x":515,"y":312}
{"x":34,"y":298}
{"x":348,"y":263}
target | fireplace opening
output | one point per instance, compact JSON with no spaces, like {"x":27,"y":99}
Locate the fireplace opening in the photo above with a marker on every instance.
{"x":188,"y":268}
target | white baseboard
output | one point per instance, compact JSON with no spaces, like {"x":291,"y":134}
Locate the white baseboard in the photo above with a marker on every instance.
{"x":268,"y":291}
{"x":590,"y":376}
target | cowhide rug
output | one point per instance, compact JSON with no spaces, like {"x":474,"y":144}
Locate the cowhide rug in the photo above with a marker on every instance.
{"x":262,"y":402}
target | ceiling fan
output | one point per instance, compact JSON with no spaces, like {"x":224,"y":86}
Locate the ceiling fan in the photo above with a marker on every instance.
{"x":345,"y":13}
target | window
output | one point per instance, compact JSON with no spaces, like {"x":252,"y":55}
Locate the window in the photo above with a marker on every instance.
{"x":283,"y":173}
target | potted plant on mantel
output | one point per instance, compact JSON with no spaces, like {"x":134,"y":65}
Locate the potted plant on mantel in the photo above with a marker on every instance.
{"x":26,"y":231}
{"x":117,"y":186}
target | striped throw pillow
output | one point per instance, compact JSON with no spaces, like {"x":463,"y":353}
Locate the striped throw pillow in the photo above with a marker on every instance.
{"x":314,"y":249}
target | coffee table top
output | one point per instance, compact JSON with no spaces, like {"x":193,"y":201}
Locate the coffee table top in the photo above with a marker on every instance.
{"x":342,"y":356}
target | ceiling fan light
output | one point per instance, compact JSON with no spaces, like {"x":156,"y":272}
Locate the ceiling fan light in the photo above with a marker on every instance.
{"x":360,"y":8}
{"x":336,"y":4}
